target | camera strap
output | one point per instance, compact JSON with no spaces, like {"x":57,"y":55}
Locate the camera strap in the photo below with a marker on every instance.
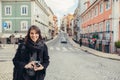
{"x":33,"y":57}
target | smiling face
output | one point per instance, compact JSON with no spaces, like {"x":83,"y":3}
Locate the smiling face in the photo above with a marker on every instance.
{"x":34,"y":35}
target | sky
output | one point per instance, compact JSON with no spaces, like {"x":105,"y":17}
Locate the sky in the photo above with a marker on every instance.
{"x":62,"y":7}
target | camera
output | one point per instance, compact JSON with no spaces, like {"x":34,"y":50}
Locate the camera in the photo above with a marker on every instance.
{"x":37,"y":63}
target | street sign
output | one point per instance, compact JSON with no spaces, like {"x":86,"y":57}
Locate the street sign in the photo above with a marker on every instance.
{"x":4,"y":24}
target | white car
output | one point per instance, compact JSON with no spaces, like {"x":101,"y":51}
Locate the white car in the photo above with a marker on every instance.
{"x":63,"y":40}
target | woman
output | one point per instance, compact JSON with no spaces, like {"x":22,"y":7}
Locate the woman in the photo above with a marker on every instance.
{"x":32,"y":56}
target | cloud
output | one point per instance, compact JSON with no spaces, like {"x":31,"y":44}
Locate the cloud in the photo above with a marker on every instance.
{"x":61,"y":7}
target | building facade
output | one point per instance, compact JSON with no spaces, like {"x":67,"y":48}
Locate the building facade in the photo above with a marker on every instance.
{"x":51,"y":23}
{"x":0,"y":18}
{"x":64,"y":23}
{"x":100,"y":22}
{"x":70,"y":17}
{"x":55,"y":24}
{"x":78,"y":19}
{"x":18,"y":15}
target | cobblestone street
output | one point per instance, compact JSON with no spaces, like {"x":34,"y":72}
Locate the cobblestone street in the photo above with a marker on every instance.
{"x":6,"y":70}
{"x":6,"y":55}
{"x":66,"y":63}
{"x":67,"y":40}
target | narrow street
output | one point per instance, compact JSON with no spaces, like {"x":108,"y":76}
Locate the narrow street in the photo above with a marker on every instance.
{"x":67,"y":63}
{"x":82,"y":36}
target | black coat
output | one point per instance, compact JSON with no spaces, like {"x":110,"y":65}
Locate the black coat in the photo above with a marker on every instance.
{"x":22,"y":58}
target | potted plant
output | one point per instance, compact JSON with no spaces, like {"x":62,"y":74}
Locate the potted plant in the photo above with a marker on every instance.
{"x":117,"y":45}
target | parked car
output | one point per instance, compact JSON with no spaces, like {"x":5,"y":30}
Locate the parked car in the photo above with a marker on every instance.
{"x":63,"y":40}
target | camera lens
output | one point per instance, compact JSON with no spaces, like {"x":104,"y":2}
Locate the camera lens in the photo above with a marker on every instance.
{"x":37,"y":63}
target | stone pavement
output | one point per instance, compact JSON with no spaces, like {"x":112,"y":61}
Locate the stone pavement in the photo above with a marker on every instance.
{"x":6,"y":66}
{"x":6,"y":70}
{"x":95,"y":52}
{"x":3,"y":46}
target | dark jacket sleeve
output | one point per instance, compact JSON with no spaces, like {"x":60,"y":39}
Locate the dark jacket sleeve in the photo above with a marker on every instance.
{"x":45,"y":57}
{"x":18,"y":59}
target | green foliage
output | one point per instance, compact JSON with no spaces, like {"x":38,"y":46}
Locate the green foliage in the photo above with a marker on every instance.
{"x":95,"y":36}
{"x":117,"y":44}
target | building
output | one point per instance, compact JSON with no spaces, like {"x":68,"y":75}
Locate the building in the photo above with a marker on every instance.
{"x":76,"y":26}
{"x":101,"y":21}
{"x":69,"y":20}
{"x":51,"y":23}
{"x":0,"y":18}
{"x":64,"y":23}
{"x":17,"y":15}
{"x":55,"y":28}
{"x":78,"y":19}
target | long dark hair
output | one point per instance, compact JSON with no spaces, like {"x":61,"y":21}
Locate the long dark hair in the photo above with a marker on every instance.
{"x":33,"y":27}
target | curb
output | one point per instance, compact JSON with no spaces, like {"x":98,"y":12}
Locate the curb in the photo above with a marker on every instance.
{"x":100,"y":55}
{"x":96,"y":53}
{"x":51,"y":40}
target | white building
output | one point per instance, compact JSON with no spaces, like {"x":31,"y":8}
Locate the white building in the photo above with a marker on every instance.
{"x":40,"y":16}
{"x":0,"y":18}
{"x":51,"y":22}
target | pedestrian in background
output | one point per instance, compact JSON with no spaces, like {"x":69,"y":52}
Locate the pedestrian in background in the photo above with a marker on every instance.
{"x":31,"y":59}
{"x":20,"y":40}
{"x":80,"y":42}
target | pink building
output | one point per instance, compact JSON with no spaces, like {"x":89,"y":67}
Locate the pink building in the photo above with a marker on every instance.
{"x":101,"y":20}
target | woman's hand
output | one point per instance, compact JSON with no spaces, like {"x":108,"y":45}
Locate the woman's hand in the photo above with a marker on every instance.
{"x":29,"y":65}
{"x":38,"y":68}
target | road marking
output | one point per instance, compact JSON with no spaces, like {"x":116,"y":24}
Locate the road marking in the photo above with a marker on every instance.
{"x":57,"y":48}
{"x":64,"y":49}
{"x":71,"y":48}
{"x":51,"y":48}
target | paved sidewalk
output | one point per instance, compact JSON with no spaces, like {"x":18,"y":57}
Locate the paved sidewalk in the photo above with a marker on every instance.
{"x":6,"y":69}
{"x":95,"y":52}
{"x":8,"y":46}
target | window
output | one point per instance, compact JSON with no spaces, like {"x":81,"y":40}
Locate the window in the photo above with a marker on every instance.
{"x":96,"y":10}
{"x":8,"y":10}
{"x":9,"y":25}
{"x":101,"y":27}
{"x":24,"y":25}
{"x":24,"y":10}
{"x":88,"y":29}
{"x":107,"y":36}
{"x":107,"y":29}
{"x":108,"y":5}
{"x":101,"y":8}
{"x":92,"y":28}
{"x":107,"y":25}
{"x":95,"y":27}
{"x":90,"y":14}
